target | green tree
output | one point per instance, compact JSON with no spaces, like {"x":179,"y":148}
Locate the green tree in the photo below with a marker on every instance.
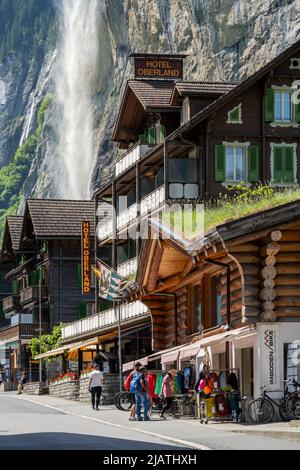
{"x":47,"y":342}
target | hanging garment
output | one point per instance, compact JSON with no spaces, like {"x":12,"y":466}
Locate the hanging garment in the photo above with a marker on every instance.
{"x":222,"y":408}
{"x":210,"y":406}
{"x":222,"y":380}
{"x":175,"y":382}
{"x":151,"y":385}
{"x":158,"y":384}
{"x":187,"y":376}
{"x":233,"y":381}
{"x":180,"y":382}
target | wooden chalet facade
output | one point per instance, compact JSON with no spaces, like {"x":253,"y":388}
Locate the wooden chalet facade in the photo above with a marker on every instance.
{"x":41,"y":258}
{"x":227,"y":291}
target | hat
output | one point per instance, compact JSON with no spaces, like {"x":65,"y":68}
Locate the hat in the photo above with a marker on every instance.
{"x":172,"y":372}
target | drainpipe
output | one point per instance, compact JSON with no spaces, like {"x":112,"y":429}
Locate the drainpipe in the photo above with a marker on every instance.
{"x":228,"y":319}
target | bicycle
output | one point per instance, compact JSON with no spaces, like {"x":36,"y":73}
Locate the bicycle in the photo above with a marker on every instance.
{"x":261,"y":410}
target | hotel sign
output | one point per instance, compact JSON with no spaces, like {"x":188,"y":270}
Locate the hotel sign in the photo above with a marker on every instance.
{"x":85,"y":257}
{"x":158,"y":68}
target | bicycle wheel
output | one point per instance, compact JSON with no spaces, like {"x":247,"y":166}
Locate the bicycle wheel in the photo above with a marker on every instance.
{"x":117,"y":400}
{"x":124,"y":401}
{"x":284,"y":413}
{"x":260,"y":411}
{"x":292,"y":405}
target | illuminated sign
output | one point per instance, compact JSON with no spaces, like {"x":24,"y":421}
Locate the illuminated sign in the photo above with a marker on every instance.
{"x":158,"y":68}
{"x":86,"y":257}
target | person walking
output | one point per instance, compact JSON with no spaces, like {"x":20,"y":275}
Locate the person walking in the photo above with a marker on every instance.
{"x":132,"y":374}
{"x":140,"y":388}
{"x":1,"y":379}
{"x":21,"y":383}
{"x":168,"y":391}
{"x":95,"y":386}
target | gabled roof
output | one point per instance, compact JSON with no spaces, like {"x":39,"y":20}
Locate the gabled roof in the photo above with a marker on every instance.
{"x":235,"y":92}
{"x":56,"y":218}
{"x":152,"y":93}
{"x":12,"y":232}
{"x":201,"y":88}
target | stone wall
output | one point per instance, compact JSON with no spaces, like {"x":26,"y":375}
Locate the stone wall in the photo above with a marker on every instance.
{"x":109,"y":390}
{"x":68,"y":389}
{"x":35,"y":388}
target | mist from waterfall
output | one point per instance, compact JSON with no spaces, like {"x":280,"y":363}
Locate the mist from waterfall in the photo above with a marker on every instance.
{"x":75,"y":85}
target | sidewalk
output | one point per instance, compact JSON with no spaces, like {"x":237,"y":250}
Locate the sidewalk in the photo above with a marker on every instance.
{"x":111,"y":416}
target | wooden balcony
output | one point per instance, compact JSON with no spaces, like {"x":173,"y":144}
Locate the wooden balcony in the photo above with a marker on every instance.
{"x":102,"y":320}
{"x":128,"y":267}
{"x":23,"y":331}
{"x":32,"y":294}
{"x":11,"y":303}
{"x":131,"y":157}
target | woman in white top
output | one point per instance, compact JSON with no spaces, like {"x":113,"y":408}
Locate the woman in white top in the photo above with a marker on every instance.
{"x":95,"y":386}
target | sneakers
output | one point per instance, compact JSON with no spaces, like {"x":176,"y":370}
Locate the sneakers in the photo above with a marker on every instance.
{"x":147,"y":418}
{"x":139,"y":418}
{"x":97,"y":409}
{"x":132,"y":418}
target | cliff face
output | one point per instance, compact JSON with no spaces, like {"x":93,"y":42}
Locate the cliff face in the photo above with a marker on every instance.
{"x":227,"y":39}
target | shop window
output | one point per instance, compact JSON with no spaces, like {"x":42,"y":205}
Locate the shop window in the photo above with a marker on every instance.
{"x":292,"y":362}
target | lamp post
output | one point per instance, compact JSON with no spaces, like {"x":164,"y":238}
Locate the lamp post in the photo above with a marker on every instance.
{"x":120,"y":346}
{"x":40,"y":329}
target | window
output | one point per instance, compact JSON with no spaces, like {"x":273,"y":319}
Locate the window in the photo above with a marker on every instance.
{"x":216,"y":301}
{"x":234,"y":116}
{"x":291,"y":361}
{"x":283,"y":106}
{"x":185,"y":110}
{"x":279,"y":109}
{"x":195,"y":309}
{"x":236,"y":162}
{"x":283,"y":163}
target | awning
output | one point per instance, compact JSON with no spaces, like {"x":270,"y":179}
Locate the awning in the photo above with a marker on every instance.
{"x":226,"y":335}
{"x":190,"y":350}
{"x":67,"y":347}
{"x":170,"y":355}
{"x":130,"y":365}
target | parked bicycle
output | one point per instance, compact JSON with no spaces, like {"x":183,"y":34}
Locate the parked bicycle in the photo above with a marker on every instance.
{"x":262,"y":410}
{"x":123,"y":401}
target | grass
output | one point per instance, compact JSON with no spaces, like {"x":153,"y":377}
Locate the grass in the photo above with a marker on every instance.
{"x":236,"y":203}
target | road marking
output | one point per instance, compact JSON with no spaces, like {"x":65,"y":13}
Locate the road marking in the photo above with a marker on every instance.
{"x":193,"y":445}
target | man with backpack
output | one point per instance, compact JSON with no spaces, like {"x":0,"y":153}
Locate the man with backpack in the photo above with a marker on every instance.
{"x":127,"y":383}
{"x":138,"y":386}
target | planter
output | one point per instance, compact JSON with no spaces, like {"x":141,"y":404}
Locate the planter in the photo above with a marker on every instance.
{"x":67,"y":388}
{"x":36,"y":388}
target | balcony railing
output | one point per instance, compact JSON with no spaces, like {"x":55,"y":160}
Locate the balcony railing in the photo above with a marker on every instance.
{"x":23,"y":330}
{"x":105,"y":319}
{"x":131,"y":157}
{"x":11,"y":303}
{"x":128,"y":267}
{"x":32,"y":294}
{"x":149,"y":203}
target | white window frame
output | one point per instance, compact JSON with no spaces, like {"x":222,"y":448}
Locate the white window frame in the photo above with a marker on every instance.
{"x":240,"y":121}
{"x":292,"y":66}
{"x":237,"y":144}
{"x":282,"y":89}
{"x":283,"y":144}
{"x":185,"y":110}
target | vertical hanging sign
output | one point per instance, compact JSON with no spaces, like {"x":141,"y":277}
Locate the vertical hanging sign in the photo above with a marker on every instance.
{"x":86,"y":257}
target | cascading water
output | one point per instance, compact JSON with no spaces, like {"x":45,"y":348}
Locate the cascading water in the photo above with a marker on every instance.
{"x":75,"y":86}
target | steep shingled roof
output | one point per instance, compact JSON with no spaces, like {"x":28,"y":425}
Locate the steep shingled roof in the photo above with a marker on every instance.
{"x":152,"y":93}
{"x":55,"y":218}
{"x":15,"y":223}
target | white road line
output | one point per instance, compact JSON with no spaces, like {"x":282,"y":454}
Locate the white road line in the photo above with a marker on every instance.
{"x":193,"y":445}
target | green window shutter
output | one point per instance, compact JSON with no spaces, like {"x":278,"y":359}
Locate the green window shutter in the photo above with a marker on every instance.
{"x":297,"y":110}
{"x":143,"y":138}
{"x":278,"y":153}
{"x":269,"y":105}
{"x":219,"y":162}
{"x":253,"y":163}
{"x":79,"y":276}
{"x":81,"y":310}
{"x":1,"y":310}
{"x":34,"y":278}
{"x":14,"y":286}
{"x":1,"y":280}
{"x":288,"y":162}
{"x":152,"y":135}
{"x":162,"y":134}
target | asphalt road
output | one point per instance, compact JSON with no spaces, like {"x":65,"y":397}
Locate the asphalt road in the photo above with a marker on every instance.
{"x":56,"y":424}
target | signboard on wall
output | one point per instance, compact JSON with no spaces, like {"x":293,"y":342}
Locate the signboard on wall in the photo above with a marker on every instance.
{"x":153,"y":67}
{"x":270,"y":356}
{"x":85,"y":257}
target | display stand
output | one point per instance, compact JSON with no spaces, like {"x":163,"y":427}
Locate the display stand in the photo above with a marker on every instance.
{"x":223,"y":403}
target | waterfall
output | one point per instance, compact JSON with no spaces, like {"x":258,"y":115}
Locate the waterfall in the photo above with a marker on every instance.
{"x":75,"y":85}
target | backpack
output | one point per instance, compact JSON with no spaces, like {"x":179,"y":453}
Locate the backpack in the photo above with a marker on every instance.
{"x":127,"y":382}
{"x":135,"y":384}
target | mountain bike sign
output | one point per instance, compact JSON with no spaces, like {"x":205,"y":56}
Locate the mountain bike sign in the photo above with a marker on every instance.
{"x":270,"y":356}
